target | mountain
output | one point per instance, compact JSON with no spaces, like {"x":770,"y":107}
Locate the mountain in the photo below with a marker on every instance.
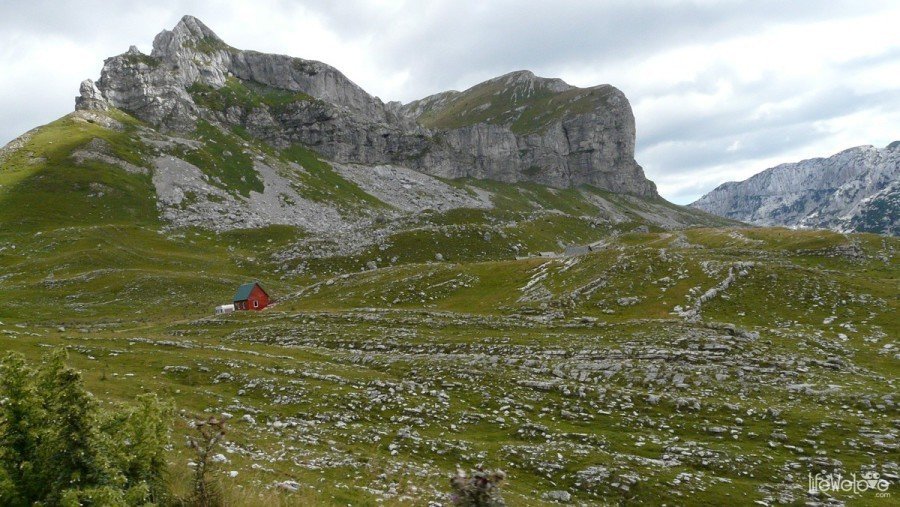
{"x":855,"y":190}
{"x":226,"y":139}
{"x":517,"y":127}
{"x":201,"y":135}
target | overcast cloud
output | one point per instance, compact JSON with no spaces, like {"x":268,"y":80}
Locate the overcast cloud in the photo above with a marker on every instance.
{"x":720,"y":89}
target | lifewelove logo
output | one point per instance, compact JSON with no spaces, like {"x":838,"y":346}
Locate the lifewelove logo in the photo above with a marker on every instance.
{"x":838,"y":483}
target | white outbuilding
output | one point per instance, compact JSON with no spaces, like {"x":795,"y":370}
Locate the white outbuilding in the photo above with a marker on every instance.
{"x":223,"y":309}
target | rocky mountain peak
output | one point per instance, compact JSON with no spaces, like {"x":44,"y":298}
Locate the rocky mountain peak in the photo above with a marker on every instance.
{"x":516,"y":127}
{"x":190,"y":32}
{"x":527,"y":79}
{"x":857,"y":189}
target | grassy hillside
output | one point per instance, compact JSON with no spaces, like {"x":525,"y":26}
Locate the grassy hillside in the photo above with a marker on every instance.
{"x":527,"y":106}
{"x":614,"y":376}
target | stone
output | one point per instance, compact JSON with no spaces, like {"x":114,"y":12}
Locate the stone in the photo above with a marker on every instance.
{"x":558,"y":496}
{"x":291,"y":486}
{"x":90,"y":97}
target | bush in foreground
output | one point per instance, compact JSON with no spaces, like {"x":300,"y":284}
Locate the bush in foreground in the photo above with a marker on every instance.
{"x":59,"y":447}
{"x":480,"y":489}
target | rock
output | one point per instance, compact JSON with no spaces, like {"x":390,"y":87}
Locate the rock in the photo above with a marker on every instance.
{"x":291,"y":486}
{"x":628,"y":301}
{"x":593,"y":476}
{"x":439,"y":257}
{"x":90,"y":97}
{"x":558,"y":496}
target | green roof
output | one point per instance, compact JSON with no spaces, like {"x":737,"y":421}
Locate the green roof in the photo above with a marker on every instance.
{"x":243,"y":291}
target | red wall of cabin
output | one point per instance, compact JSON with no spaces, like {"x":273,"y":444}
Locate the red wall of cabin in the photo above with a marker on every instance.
{"x":257,"y":294}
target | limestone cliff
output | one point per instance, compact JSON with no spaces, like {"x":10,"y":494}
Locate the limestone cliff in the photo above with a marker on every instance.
{"x":856,"y":190}
{"x":517,"y":127}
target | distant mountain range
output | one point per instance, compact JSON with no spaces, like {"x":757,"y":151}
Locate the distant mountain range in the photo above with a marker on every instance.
{"x":856,"y":190}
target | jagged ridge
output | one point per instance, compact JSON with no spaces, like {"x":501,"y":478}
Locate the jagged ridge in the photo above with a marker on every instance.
{"x":855,"y":190}
{"x":517,"y":127}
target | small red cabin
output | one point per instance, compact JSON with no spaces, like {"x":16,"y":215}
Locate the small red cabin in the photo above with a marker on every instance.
{"x":251,"y":296}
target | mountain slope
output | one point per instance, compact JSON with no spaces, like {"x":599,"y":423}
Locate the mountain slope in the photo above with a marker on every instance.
{"x":855,"y":190}
{"x":184,"y":127}
{"x":95,"y":167}
{"x":514,"y":128}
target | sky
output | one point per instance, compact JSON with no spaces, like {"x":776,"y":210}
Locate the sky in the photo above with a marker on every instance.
{"x":720,"y":89}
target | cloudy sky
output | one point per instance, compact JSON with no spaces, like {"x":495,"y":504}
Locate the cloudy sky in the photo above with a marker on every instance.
{"x":720,"y":89}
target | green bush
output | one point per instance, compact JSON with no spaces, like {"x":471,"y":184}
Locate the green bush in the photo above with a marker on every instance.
{"x":481,"y":488}
{"x":58,"y":447}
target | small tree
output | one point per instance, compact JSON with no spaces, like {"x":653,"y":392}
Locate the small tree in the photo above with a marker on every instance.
{"x":20,"y":416}
{"x":209,"y":434}
{"x":70,"y":447}
{"x":57,"y":447}
{"x":481,"y":489}
{"x":137,"y":439}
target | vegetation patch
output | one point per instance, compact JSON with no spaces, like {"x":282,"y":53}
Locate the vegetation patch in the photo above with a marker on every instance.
{"x":524,"y":108}
{"x":209,"y":45}
{"x":140,"y":58}
{"x":246,"y":95}
{"x":320,"y":182}
{"x":223,"y":158}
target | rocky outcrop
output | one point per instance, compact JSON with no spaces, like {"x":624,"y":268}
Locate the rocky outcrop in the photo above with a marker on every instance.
{"x":90,"y":98}
{"x":523,"y":127}
{"x":856,"y":190}
{"x":539,"y":130}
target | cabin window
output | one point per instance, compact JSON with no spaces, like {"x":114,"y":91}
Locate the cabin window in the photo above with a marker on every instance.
{"x":256,"y":304}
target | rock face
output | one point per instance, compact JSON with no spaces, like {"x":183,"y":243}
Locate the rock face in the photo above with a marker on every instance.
{"x":517,"y":127}
{"x":90,"y":97}
{"x":856,"y":190}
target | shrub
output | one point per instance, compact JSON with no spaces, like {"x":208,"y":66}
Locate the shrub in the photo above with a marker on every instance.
{"x":481,"y":489}
{"x":209,"y":433}
{"x":58,"y":447}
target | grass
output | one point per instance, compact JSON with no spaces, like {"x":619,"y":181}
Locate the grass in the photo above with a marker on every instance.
{"x":370,"y":387}
{"x":224,"y":159}
{"x":209,"y":45}
{"x":140,"y":58}
{"x":526,"y":107}
{"x":39,"y":188}
{"x":246,"y":95}
{"x":320,"y":182}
